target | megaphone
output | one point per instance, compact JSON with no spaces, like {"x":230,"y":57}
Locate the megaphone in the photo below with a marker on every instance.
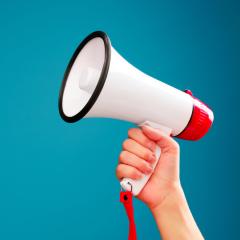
{"x":98,"y":82}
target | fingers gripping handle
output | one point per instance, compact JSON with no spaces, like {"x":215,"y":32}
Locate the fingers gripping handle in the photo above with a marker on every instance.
{"x":137,"y":185}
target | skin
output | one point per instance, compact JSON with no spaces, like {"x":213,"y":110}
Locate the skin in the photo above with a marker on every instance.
{"x":163,"y":193}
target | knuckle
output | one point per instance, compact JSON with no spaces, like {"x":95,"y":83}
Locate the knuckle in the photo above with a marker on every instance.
{"x":125,"y":143}
{"x":123,"y":155}
{"x":176,"y":147}
{"x":117,"y":172}
{"x":131,"y":131}
{"x":118,"y":169}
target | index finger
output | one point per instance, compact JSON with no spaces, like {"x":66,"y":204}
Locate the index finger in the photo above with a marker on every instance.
{"x":137,"y":135}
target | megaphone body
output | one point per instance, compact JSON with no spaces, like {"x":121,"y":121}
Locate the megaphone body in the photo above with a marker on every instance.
{"x":99,"y":82}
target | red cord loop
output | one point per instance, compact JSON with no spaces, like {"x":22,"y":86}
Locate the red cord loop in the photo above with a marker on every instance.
{"x":127,"y":199}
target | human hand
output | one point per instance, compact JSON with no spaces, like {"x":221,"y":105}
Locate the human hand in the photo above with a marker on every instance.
{"x":163,"y":193}
{"x":138,"y":156}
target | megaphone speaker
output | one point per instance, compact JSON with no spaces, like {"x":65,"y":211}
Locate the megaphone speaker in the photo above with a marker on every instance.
{"x":99,"y":82}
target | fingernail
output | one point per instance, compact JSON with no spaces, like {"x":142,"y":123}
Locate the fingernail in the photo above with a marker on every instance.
{"x":140,"y":175}
{"x":152,"y":146}
{"x":149,"y":170}
{"x":152,"y":158}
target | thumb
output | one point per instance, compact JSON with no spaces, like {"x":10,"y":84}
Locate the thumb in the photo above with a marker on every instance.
{"x":165,"y":142}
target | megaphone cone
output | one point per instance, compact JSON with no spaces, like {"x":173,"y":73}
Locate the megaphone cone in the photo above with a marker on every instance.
{"x":98,"y":82}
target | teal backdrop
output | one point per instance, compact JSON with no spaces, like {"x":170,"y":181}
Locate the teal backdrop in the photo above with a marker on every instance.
{"x":44,"y":162}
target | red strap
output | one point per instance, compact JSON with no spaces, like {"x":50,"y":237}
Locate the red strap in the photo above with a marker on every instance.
{"x":126,"y":199}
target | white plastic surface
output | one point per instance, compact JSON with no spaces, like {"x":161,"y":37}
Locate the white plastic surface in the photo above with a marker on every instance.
{"x":83,"y":77}
{"x":129,"y":94}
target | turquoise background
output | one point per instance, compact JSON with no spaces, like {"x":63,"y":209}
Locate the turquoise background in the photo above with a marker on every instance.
{"x":44,"y":162}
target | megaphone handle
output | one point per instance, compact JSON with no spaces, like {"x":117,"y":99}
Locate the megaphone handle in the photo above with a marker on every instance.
{"x":137,"y":185}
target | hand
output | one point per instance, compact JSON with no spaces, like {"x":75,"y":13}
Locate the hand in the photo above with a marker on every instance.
{"x":137,"y":157}
{"x":162,"y":193}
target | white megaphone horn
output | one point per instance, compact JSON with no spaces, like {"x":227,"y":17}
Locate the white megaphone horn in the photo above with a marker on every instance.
{"x":98,"y":82}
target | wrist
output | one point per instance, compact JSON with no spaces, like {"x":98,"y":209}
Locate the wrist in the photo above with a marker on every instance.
{"x":174,"y":218}
{"x":174,"y":197}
